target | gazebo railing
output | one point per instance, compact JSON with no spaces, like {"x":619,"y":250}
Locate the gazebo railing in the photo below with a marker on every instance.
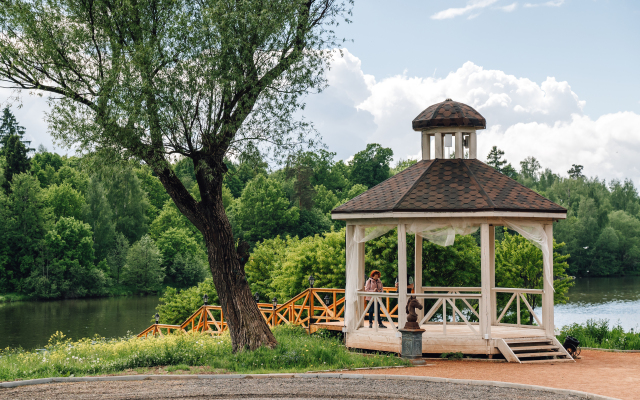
{"x":377,"y":301}
{"x":518,"y":295}
{"x":451,"y":297}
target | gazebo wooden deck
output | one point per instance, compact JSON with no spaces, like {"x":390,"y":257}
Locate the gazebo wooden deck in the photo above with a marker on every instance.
{"x":436,"y":199}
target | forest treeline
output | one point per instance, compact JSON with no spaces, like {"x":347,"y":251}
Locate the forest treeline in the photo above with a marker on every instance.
{"x":75,"y":227}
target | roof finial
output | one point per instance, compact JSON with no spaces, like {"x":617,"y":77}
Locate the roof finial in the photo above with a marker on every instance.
{"x":448,"y":99}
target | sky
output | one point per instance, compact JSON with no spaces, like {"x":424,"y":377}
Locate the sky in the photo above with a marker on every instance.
{"x":557,"y":80}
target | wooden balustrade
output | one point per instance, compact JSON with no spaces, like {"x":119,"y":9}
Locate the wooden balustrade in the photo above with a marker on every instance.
{"x":519,"y":294}
{"x":304,"y":309}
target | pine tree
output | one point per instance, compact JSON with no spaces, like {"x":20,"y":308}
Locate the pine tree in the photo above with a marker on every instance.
{"x":9,"y":126}
{"x":495,"y":158}
{"x":16,"y":160}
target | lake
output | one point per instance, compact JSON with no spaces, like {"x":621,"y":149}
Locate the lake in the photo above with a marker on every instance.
{"x":615,"y":299}
{"x":31,"y":324}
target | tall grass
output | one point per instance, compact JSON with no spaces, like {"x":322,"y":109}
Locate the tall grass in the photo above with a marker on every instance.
{"x":296,"y":352}
{"x":597,"y":333}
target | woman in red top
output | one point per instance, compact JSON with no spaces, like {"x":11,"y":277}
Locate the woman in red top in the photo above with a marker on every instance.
{"x":374,"y":284}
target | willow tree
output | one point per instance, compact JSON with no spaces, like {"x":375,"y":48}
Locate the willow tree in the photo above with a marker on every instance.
{"x":158,"y":79}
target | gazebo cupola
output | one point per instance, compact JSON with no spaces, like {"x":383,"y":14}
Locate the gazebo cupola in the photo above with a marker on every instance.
{"x":447,"y":122}
{"x":436,"y":199}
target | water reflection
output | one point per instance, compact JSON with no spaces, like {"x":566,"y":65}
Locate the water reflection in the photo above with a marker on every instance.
{"x":31,"y":324}
{"x":615,"y":299}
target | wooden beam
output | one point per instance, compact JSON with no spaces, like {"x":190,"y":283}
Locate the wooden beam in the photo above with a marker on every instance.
{"x":485,"y":274}
{"x":473,"y":146}
{"x":402,"y":275}
{"x":459,"y":148}
{"x":547,"y":301}
{"x":417,"y":274}
{"x":426,"y":146}
{"x":492,"y":272}
{"x":439,"y":145}
{"x":361,"y":277}
{"x":352,"y":308}
{"x":390,"y":217}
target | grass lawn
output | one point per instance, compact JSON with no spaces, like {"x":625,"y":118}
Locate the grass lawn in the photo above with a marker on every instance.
{"x":193,"y":353}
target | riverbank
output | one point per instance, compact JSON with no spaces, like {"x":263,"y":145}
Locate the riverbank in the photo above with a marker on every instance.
{"x":296,"y":352}
{"x":13,"y":297}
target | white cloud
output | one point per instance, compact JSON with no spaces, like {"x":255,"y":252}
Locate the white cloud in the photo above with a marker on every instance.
{"x":553,"y":3}
{"x":456,"y":12}
{"x":511,"y":7}
{"x":524,"y":118}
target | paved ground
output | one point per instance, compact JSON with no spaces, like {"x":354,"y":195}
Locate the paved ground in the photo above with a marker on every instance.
{"x":608,"y":374}
{"x":269,"y":388}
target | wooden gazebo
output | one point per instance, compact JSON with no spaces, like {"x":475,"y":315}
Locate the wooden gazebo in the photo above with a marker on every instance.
{"x":435,"y":199}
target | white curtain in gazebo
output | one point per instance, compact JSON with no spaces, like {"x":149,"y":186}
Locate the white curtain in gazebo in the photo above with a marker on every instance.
{"x":443,"y":234}
{"x":534,"y":232}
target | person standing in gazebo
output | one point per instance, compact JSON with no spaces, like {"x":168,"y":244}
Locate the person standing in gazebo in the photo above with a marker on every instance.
{"x":374,"y":284}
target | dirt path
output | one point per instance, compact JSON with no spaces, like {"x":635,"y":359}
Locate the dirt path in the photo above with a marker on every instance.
{"x":609,"y":374}
{"x":273,"y":389}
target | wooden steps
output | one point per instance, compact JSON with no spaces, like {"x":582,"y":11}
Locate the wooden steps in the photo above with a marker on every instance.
{"x":533,"y":350}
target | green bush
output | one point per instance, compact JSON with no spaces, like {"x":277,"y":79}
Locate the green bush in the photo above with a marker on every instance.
{"x":177,"y":305}
{"x":598,"y":334}
{"x":296,"y":352}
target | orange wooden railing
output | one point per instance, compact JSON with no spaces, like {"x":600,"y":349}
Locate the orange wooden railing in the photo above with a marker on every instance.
{"x":305,"y":309}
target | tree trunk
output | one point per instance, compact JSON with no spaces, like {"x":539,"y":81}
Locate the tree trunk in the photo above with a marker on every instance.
{"x":247,"y":326}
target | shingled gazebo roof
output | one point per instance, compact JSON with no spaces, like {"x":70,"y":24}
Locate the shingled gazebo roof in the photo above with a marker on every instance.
{"x":449,"y":113}
{"x":449,"y":185}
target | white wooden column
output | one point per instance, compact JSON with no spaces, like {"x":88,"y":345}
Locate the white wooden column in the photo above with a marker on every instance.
{"x":361,"y":277}
{"x":426,"y":146}
{"x":352,"y":304}
{"x":402,"y":275}
{"x":473,"y":145}
{"x":492,"y":271}
{"x":439,"y":145}
{"x":459,"y":147}
{"x":485,"y":274}
{"x":417,"y":274}
{"x":547,"y":301}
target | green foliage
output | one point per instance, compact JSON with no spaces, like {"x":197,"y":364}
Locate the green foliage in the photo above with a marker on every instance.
{"x":128,"y":201}
{"x":452,"y":356}
{"x":281,"y":267}
{"x":264,"y":210}
{"x":143,"y":270}
{"x":97,"y":213}
{"x":401,"y":165}
{"x":117,"y":256}
{"x":177,"y":305}
{"x":67,"y":270}
{"x":65,"y":201}
{"x":325,"y":200}
{"x":28,"y":219}
{"x":183,"y":260}
{"x":519,"y":265}
{"x":156,"y":194}
{"x":371,"y":166}
{"x":598,"y":334}
{"x":296,"y":352}
{"x":456,"y":265}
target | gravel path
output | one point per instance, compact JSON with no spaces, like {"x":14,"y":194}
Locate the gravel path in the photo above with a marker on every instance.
{"x":273,"y":388}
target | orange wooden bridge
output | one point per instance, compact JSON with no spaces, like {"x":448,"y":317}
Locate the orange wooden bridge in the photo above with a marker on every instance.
{"x":314,"y":308}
